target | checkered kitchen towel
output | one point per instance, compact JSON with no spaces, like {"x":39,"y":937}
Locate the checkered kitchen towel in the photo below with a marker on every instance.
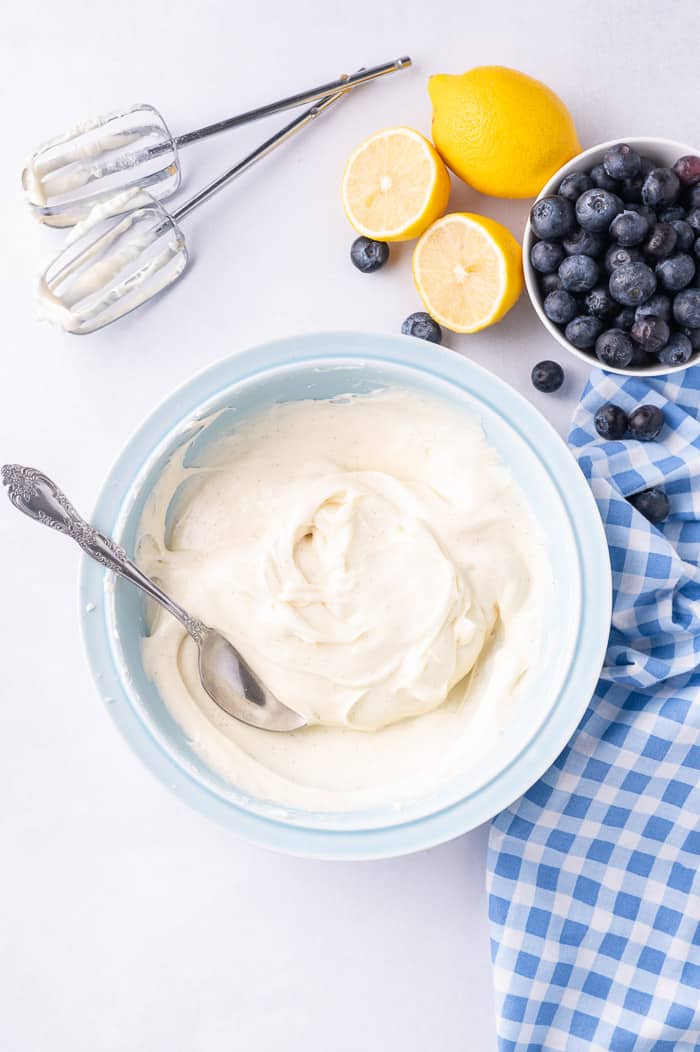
{"x":594,"y":889}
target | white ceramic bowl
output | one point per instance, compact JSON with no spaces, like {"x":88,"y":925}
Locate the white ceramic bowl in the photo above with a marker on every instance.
{"x":665,"y":152}
{"x":577,"y":621}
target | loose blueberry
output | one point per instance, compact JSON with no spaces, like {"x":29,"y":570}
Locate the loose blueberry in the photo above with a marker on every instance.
{"x":693,"y":335}
{"x":578,"y":273}
{"x":632,"y":283}
{"x":368,"y":255}
{"x":693,"y":219}
{"x":583,"y":331}
{"x":614,"y":348}
{"x":646,"y":422}
{"x":573,"y":185}
{"x":596,"y":209}
{"x":653,"y":504}
{"x":560,"y":307}
{"x":692,"y":198}
{"x":546,"y":256}
{"x":677,"y":351}
{"x":624,"y":319}
{"x":643,"y":210}
{"x":661,"y":187}
{"x":686,"y":308}
{"x":622,"y":162}
{"x":659,"y":306}
{"x":650,"y":333}
{"x":547,"y":376}
{"x":549,"y":283}
{"x":688,"y":170}
{"x":602,"y":180}
{"x":629,"y":228}
{"x":552,"y":217}
{"x":583,"y":243}
{"x":661,"y":241}
{"x":676,"y":272}
{"x":423,"y":326}
{"x":611,"y":422}
{"x":617,"y":256}
{"x":599,"y":303}
{"x":685,"y":235}
{"x":667,"y":215}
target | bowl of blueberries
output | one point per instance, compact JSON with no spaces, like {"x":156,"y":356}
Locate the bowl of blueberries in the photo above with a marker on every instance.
{"x":611,"y":255}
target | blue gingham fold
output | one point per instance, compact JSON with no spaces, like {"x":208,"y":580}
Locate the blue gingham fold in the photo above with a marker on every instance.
{"x":594,"y":891}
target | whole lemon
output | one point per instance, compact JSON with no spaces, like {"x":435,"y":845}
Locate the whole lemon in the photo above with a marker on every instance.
{"x":501,"y":131}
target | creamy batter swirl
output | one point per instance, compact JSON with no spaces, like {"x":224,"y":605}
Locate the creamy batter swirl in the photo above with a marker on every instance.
{"x":377,"y":566}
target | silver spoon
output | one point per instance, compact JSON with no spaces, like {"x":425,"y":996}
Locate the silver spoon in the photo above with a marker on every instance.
{"x":225,"y":675}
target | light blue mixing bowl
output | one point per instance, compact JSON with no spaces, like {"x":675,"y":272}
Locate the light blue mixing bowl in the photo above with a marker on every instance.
{"x":575,"y":633}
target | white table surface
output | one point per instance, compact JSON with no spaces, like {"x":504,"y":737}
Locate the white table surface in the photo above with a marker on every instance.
{"x":128,"y":922}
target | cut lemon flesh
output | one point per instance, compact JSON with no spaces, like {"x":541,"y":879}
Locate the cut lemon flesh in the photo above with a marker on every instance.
{"x":468,"y":271}
{"x":395,"y":185}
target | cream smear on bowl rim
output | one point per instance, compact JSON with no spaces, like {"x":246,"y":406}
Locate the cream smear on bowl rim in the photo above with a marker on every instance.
{"x":379,"y":567}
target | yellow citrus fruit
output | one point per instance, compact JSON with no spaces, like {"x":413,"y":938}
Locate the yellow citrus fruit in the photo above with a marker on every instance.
{"x":395,"y":185}
{"x":501,"y":131}
{"x":468,"y":270}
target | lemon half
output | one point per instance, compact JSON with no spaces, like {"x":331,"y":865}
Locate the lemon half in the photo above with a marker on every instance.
{"x":468,"y":271}
{"x":395,"y":185}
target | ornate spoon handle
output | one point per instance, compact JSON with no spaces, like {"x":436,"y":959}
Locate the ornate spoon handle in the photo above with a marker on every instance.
{"x":41,"y":499}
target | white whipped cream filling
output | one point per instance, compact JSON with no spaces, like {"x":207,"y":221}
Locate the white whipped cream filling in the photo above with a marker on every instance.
{"x":377,"y":566}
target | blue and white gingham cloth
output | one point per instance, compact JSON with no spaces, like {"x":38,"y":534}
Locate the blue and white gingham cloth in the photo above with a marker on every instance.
{"x":594,"y":889}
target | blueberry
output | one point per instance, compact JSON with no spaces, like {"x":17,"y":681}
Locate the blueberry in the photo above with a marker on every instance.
{"x":661,"y":241}
{"x":686,"y":308}
{"x":685,"y":235}
{"x":546,"y":256}
{"x":692,"y":197}
{"x":596,"y":209}
{"x":622,"y":162}
{"x":614,"y":347}
{"x":652,"y":503}
{"x":547,"y":376}
{"x":573,"y":185}
{"x":624,"y":319}
{"x":629,"y":228}
{"x":423,"y":326}
{"x":667,"y":215}
{"x":650,"y":333}
{"x":643,"y":210}
{"x":578,"y":273}
{"x":658,"y":305}
{"x":583,"y":331}
{"x":693,"y":335}
{"x":602,"y":180}
{"x":646,"y":422}
{"x":675,"y":272}
{"x":688,"y":170}
{"x":632,"y":283}
{"x":693,"y":219}
{"x":631,"y":190}
{"x":599,"y":303}
{"x":552,"y":217}
{"x":583,"y":243}
{"x":560,"y":307}
{"x":661,"y":187}
{"x":611,"y":421}
{"x":549,"y":283}
{"x":368,"y":255}
{"x":617,"y":256}
{"x":677,"y":351}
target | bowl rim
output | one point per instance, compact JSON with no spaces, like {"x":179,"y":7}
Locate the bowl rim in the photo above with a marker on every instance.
{"x":567,"y":707}
{"x":530,"y":274}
